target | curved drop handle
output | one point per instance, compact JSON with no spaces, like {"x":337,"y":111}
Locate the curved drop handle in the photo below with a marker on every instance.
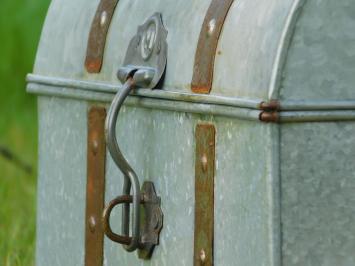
{"x":130,"y":177}
{"x":125,"y":240}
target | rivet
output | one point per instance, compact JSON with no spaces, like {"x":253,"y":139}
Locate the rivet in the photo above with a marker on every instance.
{"x":92,"y":224}
{"x":202,"y":255}
{"x":211,"y":27}
{"x":204,"y":162}
{"x":95,"y":146}
{"x":103,"y":18}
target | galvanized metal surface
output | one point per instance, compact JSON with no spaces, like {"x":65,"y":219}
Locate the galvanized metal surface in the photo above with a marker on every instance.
{"x":205,"y":136}
{"x":255,"y":48}
{"x":53,"y":83}
{"x":98,"y":34}
{"x":95,"y":187}
{"x":61,"y":197}
{"x":195,"y":108}
{"x":207,"y":45}
{"x":318,"y":182}
{"x":313,"y":39}
{"x":320,"y":61}
{"x":249,"y":171}
{"x":317,"y":168}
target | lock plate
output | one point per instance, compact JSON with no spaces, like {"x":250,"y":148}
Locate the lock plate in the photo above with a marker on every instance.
{"x":152,"y":221}
{"x":147,"y":50}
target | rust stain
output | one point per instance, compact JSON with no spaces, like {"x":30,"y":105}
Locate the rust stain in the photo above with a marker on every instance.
{"x":204,"y":194}
{"x":272,"y":105}
{"x":270,"y":117}
{"x":207,"y":46}
{"x":95,"y":188}
{"x":98,"y":34}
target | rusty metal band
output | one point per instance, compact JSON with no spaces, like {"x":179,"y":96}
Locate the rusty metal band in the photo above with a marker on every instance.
{"x":204,"y":194}
{"x":207,"y":46}
{"x":98,"y":34}
{"x":95,"y":188}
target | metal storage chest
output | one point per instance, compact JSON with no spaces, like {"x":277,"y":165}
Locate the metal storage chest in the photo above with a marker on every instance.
{"x":248,"y":135}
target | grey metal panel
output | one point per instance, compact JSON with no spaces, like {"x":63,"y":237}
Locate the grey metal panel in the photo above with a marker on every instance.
{"x":247,"y":219}
{"x":318,"y":200}
{"x":248,"y":46}
{"x":160,"y":145}
{"x":320,"y":62}
{"x":61,"y":182}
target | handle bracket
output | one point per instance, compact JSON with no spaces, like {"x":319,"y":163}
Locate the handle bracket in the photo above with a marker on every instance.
{"x":143,"y":67}
{"x":151,"y":220}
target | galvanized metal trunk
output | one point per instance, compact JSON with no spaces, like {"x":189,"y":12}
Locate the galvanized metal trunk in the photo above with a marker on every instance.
{"x":266,"y":101}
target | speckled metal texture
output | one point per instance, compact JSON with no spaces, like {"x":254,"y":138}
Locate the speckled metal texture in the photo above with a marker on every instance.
{"x":250,"y":40}
{"x":244,"y":185}
{"x":320,"y":61}
{"x":318,"y":182}
{"x":317,"y":169}
{"x":283,"y":192}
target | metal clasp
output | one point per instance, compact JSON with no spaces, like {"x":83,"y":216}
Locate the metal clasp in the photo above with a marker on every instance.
{"x":144,"y":67}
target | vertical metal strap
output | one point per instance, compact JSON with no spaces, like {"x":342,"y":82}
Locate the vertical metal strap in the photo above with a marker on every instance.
{"x":204,"y":194}
{"x":98,"y":34}
{"x":95,"y":188}
{"x":207,"y":45}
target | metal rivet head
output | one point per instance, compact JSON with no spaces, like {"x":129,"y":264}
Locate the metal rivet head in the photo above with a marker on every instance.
{"x":202,"y":255}
{"x":103,"y":18}
{"x":95,"y":146}
{"x":211,"y":27}
{"x":92,"y":224}
{"x":204,"y":162}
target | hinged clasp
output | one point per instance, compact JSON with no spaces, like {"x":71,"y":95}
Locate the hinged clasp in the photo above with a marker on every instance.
{"x":143,"y":67}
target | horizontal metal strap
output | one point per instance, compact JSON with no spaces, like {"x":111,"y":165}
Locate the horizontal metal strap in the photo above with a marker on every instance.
{"x":151,"y":103}
{"x":288,"y":111}
{"x":156,"y":94}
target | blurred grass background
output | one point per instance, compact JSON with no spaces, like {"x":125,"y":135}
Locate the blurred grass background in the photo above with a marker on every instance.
{"x":20,"y":27}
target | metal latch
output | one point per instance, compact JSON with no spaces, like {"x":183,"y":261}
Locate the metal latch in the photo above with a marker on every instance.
{"x":144,"y":66}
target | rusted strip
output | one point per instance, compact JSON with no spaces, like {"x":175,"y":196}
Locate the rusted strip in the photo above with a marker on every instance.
{"x":270,"y":117}
{"x":95,"y":188}
{"x":204,"y":194}
{"x":207,"y":45}
{"x":98,"y":33}
{"x":273,"y":105}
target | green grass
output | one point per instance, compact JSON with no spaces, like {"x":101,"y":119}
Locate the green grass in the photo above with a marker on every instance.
{"x":20,"y":27}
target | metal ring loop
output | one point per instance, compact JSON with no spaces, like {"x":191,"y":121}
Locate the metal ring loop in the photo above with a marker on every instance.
{"x":130,"y":177}
{"x":124,"y":240}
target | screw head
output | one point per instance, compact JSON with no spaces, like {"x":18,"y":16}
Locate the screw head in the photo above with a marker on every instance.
{"x":92,"y":224}
{"x":95,"y":146}
{"x":204,"y":162}
{"x":203,"y":255}
{"x":211,"y":27}
{"x":103,"y":18}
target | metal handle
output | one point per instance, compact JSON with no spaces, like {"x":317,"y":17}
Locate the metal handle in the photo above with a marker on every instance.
{"x":143,"y":67}
{"x":125,"y":240}
{"x":130,"y":177}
